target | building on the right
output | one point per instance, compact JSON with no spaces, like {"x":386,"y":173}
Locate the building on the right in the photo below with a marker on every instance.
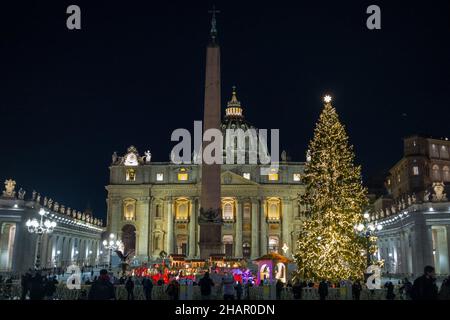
{"x":415,"y":213}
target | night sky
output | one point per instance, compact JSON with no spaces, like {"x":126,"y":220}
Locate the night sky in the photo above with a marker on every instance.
{"x":135,"y":72}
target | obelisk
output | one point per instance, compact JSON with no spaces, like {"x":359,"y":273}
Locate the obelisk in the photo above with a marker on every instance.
{"x":210,"y":219}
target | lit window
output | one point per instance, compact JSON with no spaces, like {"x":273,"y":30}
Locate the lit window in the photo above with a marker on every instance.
{"x":246,"y":175}
{"x":273,"y":175}
{"x":159,"y":177}
{"x":273,"y":244}
{"x":129,"y":209}
{"x":446,"y":174}
{"x":435,"y":173}
{"x":228,"y":209}
{"x":131,"y":175}
{"x":296,"y":176}
{"x":398,"y":178}
{"x":182,"y":175}
{"x":182,"y":209}
{"x":416,"y":170}
{"x":389,"y":182}
{"x":273,"y":209}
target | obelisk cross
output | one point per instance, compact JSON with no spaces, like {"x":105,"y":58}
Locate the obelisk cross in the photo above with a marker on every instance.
{"x":213,"y":31}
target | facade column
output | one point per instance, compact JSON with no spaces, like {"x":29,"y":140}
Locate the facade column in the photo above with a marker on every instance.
{"x":286,"y":221}
{"x":142,"y":231}
{"x":262,"y":215}
{"x":170,"y":235}
{"x":238,"y":230}
{"x":192,"y":227}
{"x":151,"y":212}
{"x":255,"y":231}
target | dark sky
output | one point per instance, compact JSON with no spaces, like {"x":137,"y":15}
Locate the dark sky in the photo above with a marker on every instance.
{"x":135,"y":72}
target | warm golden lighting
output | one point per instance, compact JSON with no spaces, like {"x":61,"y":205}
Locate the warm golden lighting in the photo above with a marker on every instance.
{"x":327,"y":98}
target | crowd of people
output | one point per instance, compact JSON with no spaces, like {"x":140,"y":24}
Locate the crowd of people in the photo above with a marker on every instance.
{"x":42,"y":284}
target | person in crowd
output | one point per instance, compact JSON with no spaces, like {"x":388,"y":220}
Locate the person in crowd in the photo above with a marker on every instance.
{"x":147,"y":286}
{"x":129,"y":286}
{"x":390,"y":295}
{"x":323,"y":290}
{"x":424,"y":287}
{"x":297,"y":289}
{"x":173,"y":290}
{"x":102,"y":288}
{"x":228,"y":287}
{"x":37,"y":287}
{"x":206,"y":285}
{"x":247,"y":287}
{"x":444,"y":293}
{"x":50,"y":287}
{"x":405,"y":289}
{"x":279,"y":289}
{"x":25,"y":283}
{"x":356,"y":290}
{"x":239,"y":290}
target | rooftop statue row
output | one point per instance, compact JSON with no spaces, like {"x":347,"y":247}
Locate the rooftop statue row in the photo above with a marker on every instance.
{"x":10,"y":193}
{"x":438,"y":196}
{"x":131,"y":158}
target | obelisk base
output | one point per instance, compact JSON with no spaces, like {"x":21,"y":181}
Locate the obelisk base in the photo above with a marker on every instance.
{"x":210,"y":239}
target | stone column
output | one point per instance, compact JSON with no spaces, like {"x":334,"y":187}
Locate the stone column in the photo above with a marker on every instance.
{"x":142,"y":232}
{"x":255,"y":229}
{"x":193,"y":209}
{"x":151,"y":213}
{"x":264,"y":238}
{"x":286,"y":225}
{"x":170,"y":235}
{"x":238,"y":229}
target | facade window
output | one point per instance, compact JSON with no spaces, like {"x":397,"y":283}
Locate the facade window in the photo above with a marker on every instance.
{"x":246,"y":175}
{"x":129,"y":209}
{"x":160,"y":177}
{"x":398,"y":178}
{"x":434,"y":151}
{"x":246,"y":250}
{"x":131,"y":175}
{"x":435,"y":173}
{"x":273,"y":208}
{"x":228,"y":245}
{"x":444,"y":152}
{"x":158,"y":211}
{"x":247,"y":212}
{"x":446,"y":174}
{"x":389,"y":182}
{"x":182,"y":244}
{"x":228,"y":209}
{"x":273,"y":175}
{"x":182,"y":209}
{"x":296,"y":177}
{"x":416,"y":170}
{"x":182,"y":175}
{"x":273,"y":244}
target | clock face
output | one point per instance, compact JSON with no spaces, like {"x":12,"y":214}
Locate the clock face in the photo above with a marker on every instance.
{"x":131,"y":160}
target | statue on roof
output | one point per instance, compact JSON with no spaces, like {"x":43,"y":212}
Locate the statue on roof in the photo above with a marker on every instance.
{"x":9,"y":192}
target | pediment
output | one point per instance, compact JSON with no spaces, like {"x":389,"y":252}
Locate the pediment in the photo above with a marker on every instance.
{"x":229,"y":177}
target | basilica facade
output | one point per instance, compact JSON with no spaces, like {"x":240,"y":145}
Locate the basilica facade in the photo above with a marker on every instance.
{"x":154,"y":207}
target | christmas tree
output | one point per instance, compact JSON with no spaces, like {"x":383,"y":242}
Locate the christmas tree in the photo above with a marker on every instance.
{"x":329,"y":246}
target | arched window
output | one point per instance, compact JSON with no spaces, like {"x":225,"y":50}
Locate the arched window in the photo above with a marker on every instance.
{"x":228,"y":209}
{"x":182,"y":209}
{"x":446,"y":174}
{"x":273,"y":244}
{"x":273,"y":208}
{"x":436,"y":176}
{"x":129,"y":209}
{"x":434,"y":151}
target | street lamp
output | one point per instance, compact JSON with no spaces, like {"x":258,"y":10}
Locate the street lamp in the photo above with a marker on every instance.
{"x":40,"y":227}
{"x":367,"y":230}
{"x":111,"y":245}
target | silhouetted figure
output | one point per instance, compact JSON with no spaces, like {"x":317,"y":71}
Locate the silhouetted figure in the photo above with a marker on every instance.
{"x":323,"y":290}
{"x":102,"y":288}
{"x":37,"y":291}
{"x":424,"y":287}
{"x":356,"y":290}
{"x":147,"y":286}
{"x":206,"y":285}
{"x":129,"y":286}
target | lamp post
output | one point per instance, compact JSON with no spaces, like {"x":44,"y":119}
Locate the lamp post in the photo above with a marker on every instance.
{"x":367,"y":229}
{"x":111,"y":245}
{"x":40,"y":227}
